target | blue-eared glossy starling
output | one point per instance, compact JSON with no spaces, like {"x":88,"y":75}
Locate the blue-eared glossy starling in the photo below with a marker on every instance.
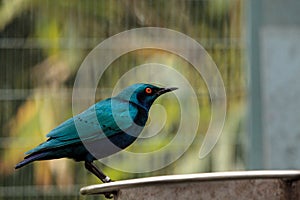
{"x":103,"y":129}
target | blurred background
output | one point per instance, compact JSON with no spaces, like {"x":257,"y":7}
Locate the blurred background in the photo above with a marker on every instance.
{"x":255,"y":45}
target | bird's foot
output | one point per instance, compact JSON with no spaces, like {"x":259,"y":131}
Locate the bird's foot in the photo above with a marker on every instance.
{"x":109,"y":195}
{"x":106,"y":180}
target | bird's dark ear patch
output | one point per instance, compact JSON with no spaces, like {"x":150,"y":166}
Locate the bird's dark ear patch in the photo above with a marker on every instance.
{"x":139,"y":97}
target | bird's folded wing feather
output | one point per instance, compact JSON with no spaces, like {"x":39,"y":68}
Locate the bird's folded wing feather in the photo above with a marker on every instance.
{"x":86,"y":125}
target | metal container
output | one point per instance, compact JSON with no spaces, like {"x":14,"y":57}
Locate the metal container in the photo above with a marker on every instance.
{"x":273,"y":185}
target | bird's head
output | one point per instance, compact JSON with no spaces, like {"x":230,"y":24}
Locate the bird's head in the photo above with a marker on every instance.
{"x":143,"y":94}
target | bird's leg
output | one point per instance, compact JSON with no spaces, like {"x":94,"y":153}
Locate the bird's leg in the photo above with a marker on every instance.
{"x":105,"y":179}
{"x":92,"y":168}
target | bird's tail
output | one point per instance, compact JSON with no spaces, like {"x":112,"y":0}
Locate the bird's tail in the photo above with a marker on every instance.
{"x":30,"y":158}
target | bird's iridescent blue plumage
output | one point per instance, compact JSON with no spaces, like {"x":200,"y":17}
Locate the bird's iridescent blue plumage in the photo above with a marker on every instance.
{"x":103,"y":129}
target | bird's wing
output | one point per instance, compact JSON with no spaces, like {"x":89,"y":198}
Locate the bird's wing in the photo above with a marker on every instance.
{"x":86,"y":125}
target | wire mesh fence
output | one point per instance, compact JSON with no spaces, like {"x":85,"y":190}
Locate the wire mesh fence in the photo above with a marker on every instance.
{"x":43,"y":43}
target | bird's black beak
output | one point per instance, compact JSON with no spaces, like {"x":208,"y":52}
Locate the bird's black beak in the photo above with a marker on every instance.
{"x":165,"y":90}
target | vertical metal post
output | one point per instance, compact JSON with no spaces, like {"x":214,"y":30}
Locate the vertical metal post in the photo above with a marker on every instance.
{"x":255,"y":139}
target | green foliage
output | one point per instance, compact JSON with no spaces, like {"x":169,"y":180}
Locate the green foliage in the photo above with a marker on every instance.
{"x":43,"y":43}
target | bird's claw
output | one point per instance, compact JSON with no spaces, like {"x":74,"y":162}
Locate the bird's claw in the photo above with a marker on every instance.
{"x":109,"y":195}
{"x":106,"y":180}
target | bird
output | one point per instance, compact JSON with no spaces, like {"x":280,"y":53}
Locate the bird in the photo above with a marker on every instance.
{"x":103,"y":129}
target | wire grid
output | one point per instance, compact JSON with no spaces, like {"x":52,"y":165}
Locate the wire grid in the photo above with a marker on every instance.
{"x":39,"y":32}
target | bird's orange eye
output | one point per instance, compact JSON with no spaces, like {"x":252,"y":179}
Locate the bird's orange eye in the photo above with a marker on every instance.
{"x":148,"y":90}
